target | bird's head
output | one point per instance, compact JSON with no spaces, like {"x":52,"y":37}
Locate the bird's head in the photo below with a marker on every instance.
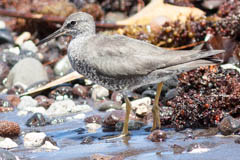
{"x":77,"y":24}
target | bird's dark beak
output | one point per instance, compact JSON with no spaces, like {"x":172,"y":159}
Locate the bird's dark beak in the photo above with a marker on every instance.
{"x":55,"y":34}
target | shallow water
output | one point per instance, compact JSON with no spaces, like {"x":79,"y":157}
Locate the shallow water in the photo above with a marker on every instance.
{"x":135,"y":147}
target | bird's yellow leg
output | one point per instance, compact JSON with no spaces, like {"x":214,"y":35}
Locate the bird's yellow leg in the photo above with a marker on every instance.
{"x":128,"y":110}
{"x":155,"y":110}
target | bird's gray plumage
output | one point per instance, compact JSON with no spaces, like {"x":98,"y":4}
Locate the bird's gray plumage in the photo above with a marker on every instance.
{"x":119,"y":62}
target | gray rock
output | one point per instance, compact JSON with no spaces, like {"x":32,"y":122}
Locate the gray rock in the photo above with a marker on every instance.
{"x":30,"y":46}
{"x":8,"y":143}
{"x":26,"y":73}
{"x":103,"y":106}
{"x":229,"y":125}
{"x":6,"y":155}
{"x":63,"y":67}
{"x":34,"y":139}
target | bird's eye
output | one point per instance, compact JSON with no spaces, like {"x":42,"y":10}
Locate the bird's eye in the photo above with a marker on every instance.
{"x":73,"y":23}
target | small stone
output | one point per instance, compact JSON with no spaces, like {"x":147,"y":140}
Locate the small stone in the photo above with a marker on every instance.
{"x":99,"y":92}
{"x":132,"y":125}
{"x":105,"y":105}
{"x":237,"y":141}
{"x":29,"y":45}
{"x":105,"y":157}
{"x":87,"y":140}
{"x":63,"y":91}
{"x":84,"y":108}
{"x":92,"y":127}
{"x":23,"y":37}
{"x":25,"y":75}
{"x":149,"y":93}
{"x":6,"y":155}
{"x":37,"y":120}
{"x":136,"y":103}
{"x":229,"y":125}
{"x":8,"y":143}
{"x":34,"y":139}
{"x":16,"y":90}
{"x":6,"y":36}
{"x":9,"y":129}
{"x":13,"y":99}
{"x":27,"y":103}
{"x":44,"y":101}
{"x":80,"y":91}
{"x":157,"y":136}
{"x":143,"y":109}
{"x":117,"y":97}
{"x":79,"y":116}
{"x":177,"y":149}
{"x":63,"y":67}
{"x":93,"y":119}
{"x":170,"y":94}
{"x":48,"y":145}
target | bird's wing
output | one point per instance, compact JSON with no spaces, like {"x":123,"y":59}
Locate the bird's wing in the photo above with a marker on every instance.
{"x":123,"y":56}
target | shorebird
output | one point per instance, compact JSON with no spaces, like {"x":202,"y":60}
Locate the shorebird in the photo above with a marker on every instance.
{"x":120,"y":63}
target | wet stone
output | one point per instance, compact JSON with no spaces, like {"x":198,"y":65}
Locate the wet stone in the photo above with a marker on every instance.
{"x":99,"y":93}
{"x":36,"y":120}
{"x":117,"y":97}
{"x":177,"y":149}
{"x":9,"y":129}
{"x":87,"y":140}
{"x":63,"y":91}
{"x":44,"y":101}
{"x":16,"y":90}
{"x":7,"y":143}
{"x":93,"y":119}
{"x":229,"y":125}
{"x":157,"y":136}
{"x":149,"y":93}
{"x":106,"y":105}
{"x":92,"y":127}
{"x":132,"y":125}
{"x":34,"y":139}
{"x":81,"y":91}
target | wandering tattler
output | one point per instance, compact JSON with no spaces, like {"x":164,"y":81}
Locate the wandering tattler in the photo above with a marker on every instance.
{"x":121,"y":63}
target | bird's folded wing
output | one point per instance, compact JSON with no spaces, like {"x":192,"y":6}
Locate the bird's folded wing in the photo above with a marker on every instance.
{"x":123,"y":56}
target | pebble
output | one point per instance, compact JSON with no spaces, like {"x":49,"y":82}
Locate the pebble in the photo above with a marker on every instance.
{"x":93,"y":119}
{"x":26,"y":76}
{"x":48,"y":145}
{"x":84,"y":108}
{"x":228,"y":125}
{"x":106,"y":105}
{"x":92,"y":127}
{"x":63,"y":67}
{"x":64,"y":91}
{"x":79,"y":116}
{"x":9,"y":129}
{"x":63,"y":107}
{"x":36,"y":120}
{"x":34,"y":139}
{"x":80,"y":91}
{"x":6,"y":36}
{"x":149,"y":93}
{"x":157,"y":136}
{"x":44,"y":101}
{"x":105,"y":157}
{"x":23,"y":37}
{"x":27,"y":103}
{"x":99,"y":93}
{"x":8,"y":143}
{"x":29,"y":46}
{"x":132,"y":125}
{"x":6,"y":155}
{"x":136,"y":103}
{"x":143,"y":109}
{"x":87,"y":140}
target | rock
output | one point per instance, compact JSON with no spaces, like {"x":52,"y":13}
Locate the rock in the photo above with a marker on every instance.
{"x":34,"y":139}
{"x":44,"y":101}
{"x":93,"y":119}
{"x":37,"y":120}
{"x":81,"y":91}
{"x":4,"y":70}
{"x":65,"y":107}
{"x":229,"y":125}
{"x":14,"y":100}
{"x":8,"y":143}
{"x":157,"y":136}
{"x":149,"y":93}
{"x":99,"y":92}
{"x":16,"y":90}
{"x":48,"y":145}
{"x":9,"y":129}
{"x":23,"y":37}
{"x":106,"y":105}
{"x":79,"y":116}
{"x":177,"y":149}
{"x":29,"y":46}
{"x":6,"y":155}
{"x":5,"y":36}
{"x":136,"y":103}
{"x":64,"y":91}
{"x":114,"y":117}
{"x":117,"y":97}
{"x":170,"y":94}
{"x":27,"y":72}
{"x":105,"y":157}
{"x":143,"y":109}
{"x":188,"y":134}
{"x":87,"y":140}
{"x":28,"y":104}
{"x":132,"y":125}
{"x":63,"y":67}
{"x":92,"y":127}
{"x":197,"y":148}
{"x":112,"y":17}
